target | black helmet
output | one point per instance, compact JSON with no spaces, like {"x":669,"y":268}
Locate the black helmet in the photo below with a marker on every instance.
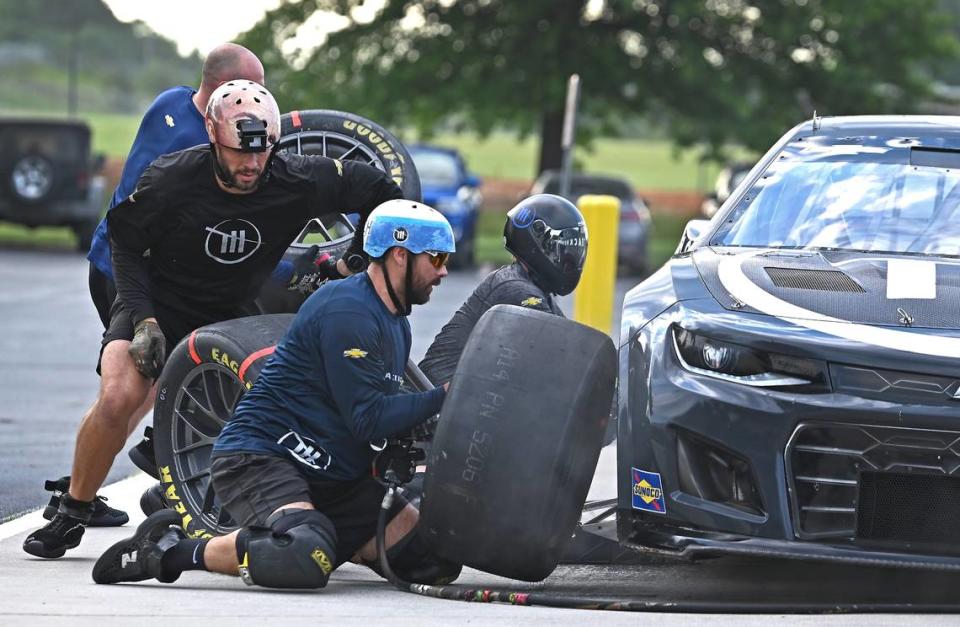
{"x":547,"y":233}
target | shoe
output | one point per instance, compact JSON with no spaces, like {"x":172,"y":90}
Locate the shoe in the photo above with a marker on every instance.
{"x":140,"y":556}
{"x":103,"y":514}
{"x":53,"y":539}
{"x":152,"y":499}
{"x":143,"y":456}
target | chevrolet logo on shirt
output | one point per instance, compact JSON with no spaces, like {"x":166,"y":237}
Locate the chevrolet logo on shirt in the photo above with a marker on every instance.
{"x":354,"y":353}
{"x":533,"y":301}
{"x":169,"y":120}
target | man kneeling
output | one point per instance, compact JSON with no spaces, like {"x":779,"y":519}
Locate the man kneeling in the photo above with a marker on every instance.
{"x":293,"y":466}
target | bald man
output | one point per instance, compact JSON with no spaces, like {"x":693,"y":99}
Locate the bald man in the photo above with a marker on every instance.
{"x":173,"y":122}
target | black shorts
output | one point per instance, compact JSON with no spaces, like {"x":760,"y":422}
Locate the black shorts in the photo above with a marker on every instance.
{"x":252,"y":486}
{"x":120,"y":328}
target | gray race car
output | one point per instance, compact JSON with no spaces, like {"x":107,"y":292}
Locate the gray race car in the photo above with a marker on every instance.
{"x":789,"y":382}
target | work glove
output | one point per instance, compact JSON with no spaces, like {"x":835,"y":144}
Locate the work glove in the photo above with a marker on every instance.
{"x":148,"y":348}
{"x":310,"y":271}
{"x":424,"y":431}
{"x":397,"y":462}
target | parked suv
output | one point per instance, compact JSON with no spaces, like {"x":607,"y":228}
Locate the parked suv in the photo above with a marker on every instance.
{"x":47,"y":176}
{"x":453,"y":191}
{"x":634,"y":229}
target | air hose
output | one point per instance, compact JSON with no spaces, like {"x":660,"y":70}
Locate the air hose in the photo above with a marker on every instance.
{"x":457,"y":592}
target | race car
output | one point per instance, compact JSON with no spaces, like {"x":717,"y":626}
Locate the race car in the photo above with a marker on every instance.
{"x":789,"y":382}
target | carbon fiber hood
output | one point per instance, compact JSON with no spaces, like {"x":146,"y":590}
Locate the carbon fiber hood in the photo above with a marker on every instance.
{"x":846,"y":286}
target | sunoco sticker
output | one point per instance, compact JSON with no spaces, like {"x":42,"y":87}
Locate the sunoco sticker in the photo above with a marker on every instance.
{"x":647,"y":491}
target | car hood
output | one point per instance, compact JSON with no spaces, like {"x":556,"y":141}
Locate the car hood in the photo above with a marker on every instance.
{"x":833,"y":287}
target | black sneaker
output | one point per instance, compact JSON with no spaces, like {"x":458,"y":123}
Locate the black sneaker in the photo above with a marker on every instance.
{"x":143,"y":456}
{"x":53,"y":539}
{"x":139,"y":557}
{"x":152,"y":499}
{"x":103,"y":514}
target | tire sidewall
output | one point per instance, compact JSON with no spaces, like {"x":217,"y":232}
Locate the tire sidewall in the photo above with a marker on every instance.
{"x":390,"y":151}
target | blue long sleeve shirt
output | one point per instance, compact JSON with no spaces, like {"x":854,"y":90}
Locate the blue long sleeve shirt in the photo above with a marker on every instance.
{"x":332,"y":386}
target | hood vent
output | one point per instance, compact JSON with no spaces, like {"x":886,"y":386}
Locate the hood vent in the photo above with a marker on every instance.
{"x":823,"y":280}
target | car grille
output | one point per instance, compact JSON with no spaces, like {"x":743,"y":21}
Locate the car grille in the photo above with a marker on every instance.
{"x":825,"y":463}
{"x":920,"y":509}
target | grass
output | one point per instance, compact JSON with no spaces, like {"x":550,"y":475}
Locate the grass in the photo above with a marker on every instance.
{"x":652,"y":164}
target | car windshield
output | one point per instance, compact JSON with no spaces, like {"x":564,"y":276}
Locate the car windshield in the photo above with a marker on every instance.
{"x":437,"y":169}
{"x":875,"y":196}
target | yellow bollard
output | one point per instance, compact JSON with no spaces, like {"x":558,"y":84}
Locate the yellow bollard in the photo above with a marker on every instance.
{"x":593,"y":299}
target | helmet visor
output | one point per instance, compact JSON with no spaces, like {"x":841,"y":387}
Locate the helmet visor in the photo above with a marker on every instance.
{"x":565,"y":248}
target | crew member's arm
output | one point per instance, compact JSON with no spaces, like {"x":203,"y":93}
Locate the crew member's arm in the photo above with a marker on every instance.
{"x":351,"y":349}
{"x":362,"y":189}
{"x":135,"y":225}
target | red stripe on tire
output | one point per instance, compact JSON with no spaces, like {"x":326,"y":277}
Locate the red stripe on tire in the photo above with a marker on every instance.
{"x":192,"y":347}
{"x":295,"y":118}
{"x":263,"y":352}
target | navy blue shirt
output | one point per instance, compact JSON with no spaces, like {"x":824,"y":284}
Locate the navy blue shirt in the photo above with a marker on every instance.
{"x":171,"y":123}
{"x":332,"y":386}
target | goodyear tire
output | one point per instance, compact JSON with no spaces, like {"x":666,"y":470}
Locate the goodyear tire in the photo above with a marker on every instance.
{"x":204,"y":377}
{"x":517,"y":443}
{"x":343,"y":135}
{"x":338,"y":135}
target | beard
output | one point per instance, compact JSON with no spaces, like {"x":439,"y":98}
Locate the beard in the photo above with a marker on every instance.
{"x":420,"y":294}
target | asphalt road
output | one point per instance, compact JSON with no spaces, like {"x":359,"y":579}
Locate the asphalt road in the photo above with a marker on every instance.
{"x":48,"y":348}
{"x":49,"y":344}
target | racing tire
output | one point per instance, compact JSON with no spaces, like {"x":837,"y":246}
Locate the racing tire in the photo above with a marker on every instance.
{"x":517,"y":443}
{"x":342,"y":135}
{"x":205,"y":376}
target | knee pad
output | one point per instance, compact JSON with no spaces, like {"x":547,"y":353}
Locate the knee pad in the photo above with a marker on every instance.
{"x":411,"y":560}
{"x":296,"y":549}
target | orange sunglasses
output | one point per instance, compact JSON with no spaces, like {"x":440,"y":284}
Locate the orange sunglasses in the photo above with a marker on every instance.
{"x":437,"y":260}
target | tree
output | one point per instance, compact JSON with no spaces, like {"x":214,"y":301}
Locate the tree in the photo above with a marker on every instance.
{"x":706,"y":71}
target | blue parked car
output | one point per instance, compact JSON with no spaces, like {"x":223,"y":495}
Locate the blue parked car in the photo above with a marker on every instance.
{"x":451,"y":189}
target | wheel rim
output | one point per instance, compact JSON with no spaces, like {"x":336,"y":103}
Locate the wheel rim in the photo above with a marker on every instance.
{"x":330,"y":144}
{"x":32,"y":177}
{"x":202,"y":407}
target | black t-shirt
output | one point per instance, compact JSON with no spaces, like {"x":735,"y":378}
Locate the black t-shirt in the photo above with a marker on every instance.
{"x":509,"y":285}
{"x":191,"y":254}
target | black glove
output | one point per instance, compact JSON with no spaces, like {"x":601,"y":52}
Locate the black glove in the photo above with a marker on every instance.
{"x":310,"y":271}
{"x":148,"y":348}
{"x":424,"y":431}
{"x":397,"y":463}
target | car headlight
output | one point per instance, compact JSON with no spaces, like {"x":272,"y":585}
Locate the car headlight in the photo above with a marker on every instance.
{"x":732,"y":362}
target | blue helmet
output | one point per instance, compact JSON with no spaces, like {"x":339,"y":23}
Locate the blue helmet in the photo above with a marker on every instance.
{"x":408,"y":224}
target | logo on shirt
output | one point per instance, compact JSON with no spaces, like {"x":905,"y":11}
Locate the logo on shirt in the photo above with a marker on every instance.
{"x":305,"y":450}
{"x":232,"y":241}
{"x":533,"y":301}
{"x":169,"y":120}
{"x":355,"y":353}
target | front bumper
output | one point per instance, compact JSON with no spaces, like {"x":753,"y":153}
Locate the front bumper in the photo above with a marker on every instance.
{"x":793,"y":462}
{"x":694,"y":545}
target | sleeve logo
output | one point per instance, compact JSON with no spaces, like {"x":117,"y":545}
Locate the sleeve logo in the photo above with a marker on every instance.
{"x":355,"y":353}
{"x":533,"y":301}
{"x":169,"y":120}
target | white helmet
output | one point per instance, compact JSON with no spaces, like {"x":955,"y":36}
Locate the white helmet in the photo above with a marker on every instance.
{"x":242,"y":114}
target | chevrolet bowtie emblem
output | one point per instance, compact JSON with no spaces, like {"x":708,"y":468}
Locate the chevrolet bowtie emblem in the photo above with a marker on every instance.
{"x":354,"y":353}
